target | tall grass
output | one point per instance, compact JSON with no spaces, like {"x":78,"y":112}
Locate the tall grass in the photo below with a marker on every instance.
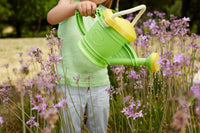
{"x":165,"y":97}
{"x":141,"y":100}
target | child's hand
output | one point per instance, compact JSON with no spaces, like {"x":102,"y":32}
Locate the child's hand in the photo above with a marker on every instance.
{"x":87,"y":8}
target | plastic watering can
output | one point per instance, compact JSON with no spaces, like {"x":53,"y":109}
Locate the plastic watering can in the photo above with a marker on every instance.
{"x":107,"y":41}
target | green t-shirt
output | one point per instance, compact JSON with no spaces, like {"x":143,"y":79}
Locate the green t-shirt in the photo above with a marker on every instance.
{"x":74,"y":63}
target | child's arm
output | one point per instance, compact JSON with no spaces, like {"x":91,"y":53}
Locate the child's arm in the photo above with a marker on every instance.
{"x":64,"y":9}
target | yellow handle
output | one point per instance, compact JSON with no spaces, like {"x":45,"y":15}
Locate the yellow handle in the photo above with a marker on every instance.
{"x":142,"y":9}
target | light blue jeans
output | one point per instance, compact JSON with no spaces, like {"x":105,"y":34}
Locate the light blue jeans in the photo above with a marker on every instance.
{"x":92,"y":101}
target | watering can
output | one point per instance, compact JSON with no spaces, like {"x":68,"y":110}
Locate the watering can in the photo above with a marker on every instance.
{"x":107,"y":41}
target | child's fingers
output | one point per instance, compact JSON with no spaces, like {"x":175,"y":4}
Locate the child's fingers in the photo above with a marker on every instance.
{"x":94,"y":7}
{"x":84,"y":9}
{"x":89,"y":10}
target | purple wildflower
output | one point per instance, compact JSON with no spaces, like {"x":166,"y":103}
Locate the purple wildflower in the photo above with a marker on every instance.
{"x":20,"y":54}
{"x":119,"y":70}
{"x":36,"y":53}
{"x":3,"y":90}
{"x":32,"y":123}
{"x":197,"y":110}
{"x":143,"y":41}
{"x":159,"y":14}
{"x":39,"y":97}
{"x":165,"y":23}
{"x":139,"y":114}
{"x":5,"y":65}
{"x":33,"y":101}
{"x":129,"y":17}
{"x":20,"y":86}
{"x":21,"y":61}
{"x":110,"y":91}
{"x":149,"y":14}
{"x":127,"y":99}
{"x":139,"y":30}
{"x":118,"y":90}
{"x":153,"y":24}
{"x":178,"y":58}
{"x":77,"y":78}
{"x":172,"y":17}
{"x":132,"y":110}
{"x":186,"y":19}
{"x":50,"y":115}
{"x":61,"y":103}
{"x":55,"y":58}
{"x":194,"y":45}
{"x":42,"y":105}
{"x":28,"y":83}
{"x":5,"y":84}
{"x":196,"y":91}
{"x":1,"y":120}
{"x":133,"y":74}
{"x":52,"y":40}
{"x":196,"y":81}
{"x":25,"y":69}
{"x":196,"y":78}
{"x":179,"y":43}
{"x":180,"y":120}
{"x":5,"y":99}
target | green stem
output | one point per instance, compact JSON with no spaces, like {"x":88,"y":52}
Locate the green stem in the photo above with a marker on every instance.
{"x":121,"y":81}
{"x":114,"y":116}
{"x":23,"y":117}
{"x":96,"y":130}
{"x":21,"y":121}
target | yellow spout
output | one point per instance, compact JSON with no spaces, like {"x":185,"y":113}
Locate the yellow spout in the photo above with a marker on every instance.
{"x":154,"y":65}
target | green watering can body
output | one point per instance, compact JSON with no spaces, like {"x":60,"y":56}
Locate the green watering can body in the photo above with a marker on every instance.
{"x":108,"y":45}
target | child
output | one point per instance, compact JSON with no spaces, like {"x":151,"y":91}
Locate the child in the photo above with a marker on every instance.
{"x":84,"y":83}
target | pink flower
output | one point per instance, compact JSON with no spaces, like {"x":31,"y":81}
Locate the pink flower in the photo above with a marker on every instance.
{"x":5,"y":65}
{"x":1,"y":120}
{"x":127,"y":99}
{"x":5,"y":99}
{"x":180,"y":120}
{"x":61,"y":103}
{"x":186,"y":19}
{"x":149,"y":14}
{"x":132,"y":110}
{"x":139,"y":114}
{"x":196,"y":91}
{"x":134,"y":75}
{"x":32,"y":123}
{"x":20,"y":54}
{"x":178,"y":58}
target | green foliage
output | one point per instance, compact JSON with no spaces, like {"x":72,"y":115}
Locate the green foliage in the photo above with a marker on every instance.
{"x":175,"y":8}
{"x":29,"y":17}
{"x":4,"y":10}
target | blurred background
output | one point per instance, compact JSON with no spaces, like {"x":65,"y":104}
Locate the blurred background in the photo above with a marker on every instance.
{"x":27,"y":18}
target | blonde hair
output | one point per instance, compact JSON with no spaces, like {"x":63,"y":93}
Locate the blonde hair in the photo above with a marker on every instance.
{"x":108,"y":3}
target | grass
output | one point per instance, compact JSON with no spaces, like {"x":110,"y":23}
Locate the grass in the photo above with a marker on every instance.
{"x":158,"y":94}
{"x":9,"y":49}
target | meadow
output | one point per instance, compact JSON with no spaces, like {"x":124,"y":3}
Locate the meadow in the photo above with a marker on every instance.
{"x":141,"y":101}
{"x":9,"y":49}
